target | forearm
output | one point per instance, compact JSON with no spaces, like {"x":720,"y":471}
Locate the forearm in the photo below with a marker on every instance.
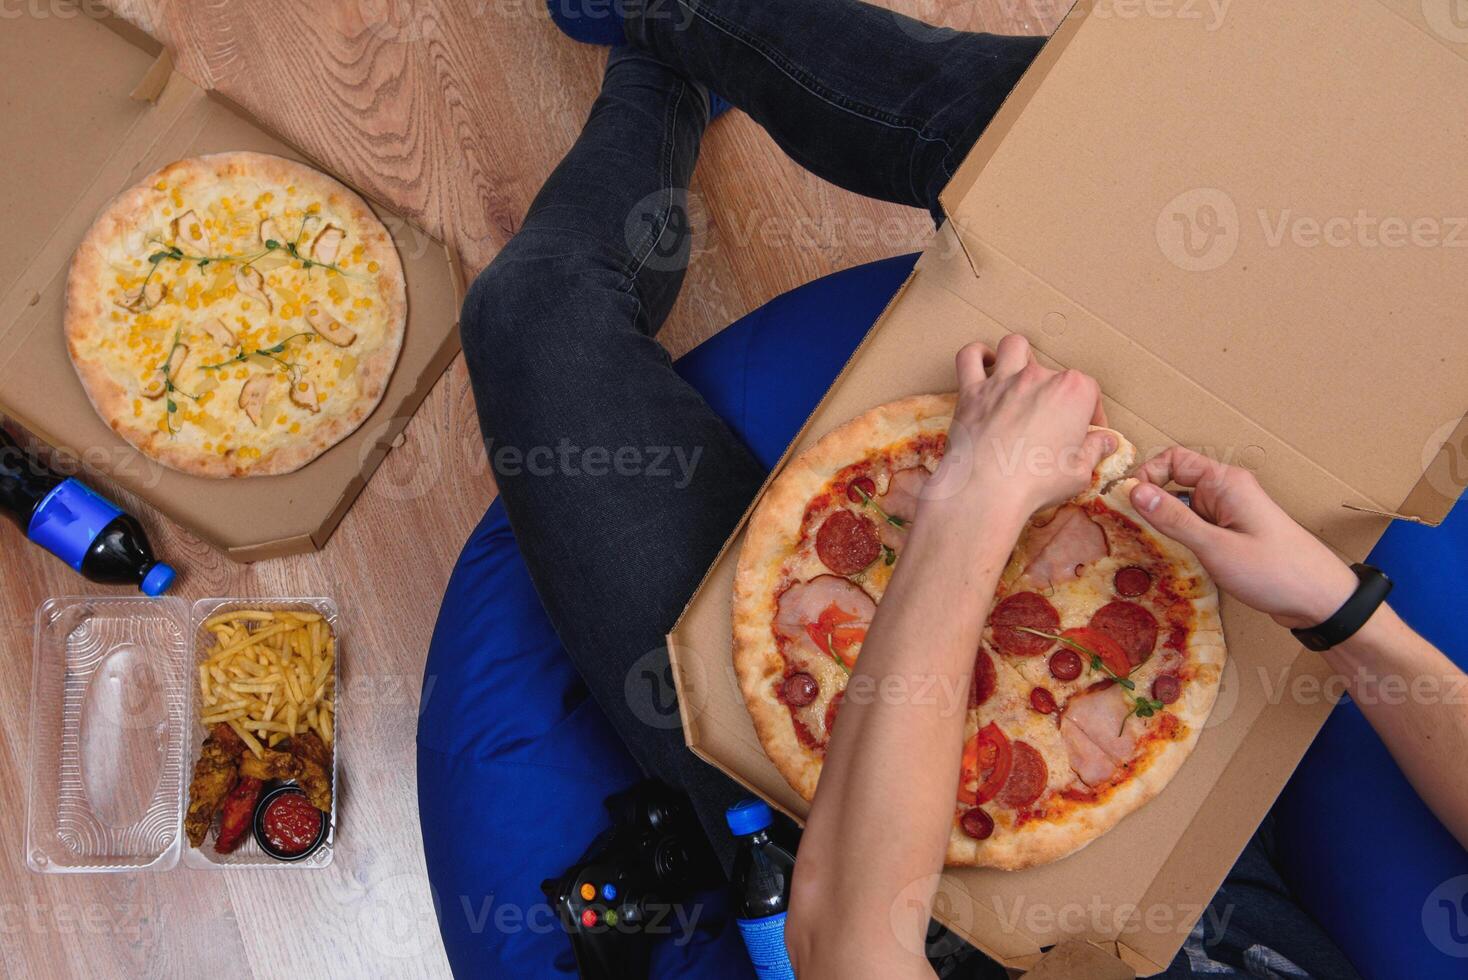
{"x":882,"y":815}
{"x":1415,"y":699}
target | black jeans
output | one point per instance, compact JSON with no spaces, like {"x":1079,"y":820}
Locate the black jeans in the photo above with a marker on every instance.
{"x":620,"y":483}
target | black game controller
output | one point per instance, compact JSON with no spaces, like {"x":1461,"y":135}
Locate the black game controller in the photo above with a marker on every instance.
{"x":625,"y":891}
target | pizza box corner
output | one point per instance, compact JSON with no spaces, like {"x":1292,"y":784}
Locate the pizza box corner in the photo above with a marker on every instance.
{"x":1150,"y":206}
{"x":111,"y":109}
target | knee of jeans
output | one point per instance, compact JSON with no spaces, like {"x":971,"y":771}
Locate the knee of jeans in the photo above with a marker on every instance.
{"x":486,"y":317}
{"x":531,"y":306}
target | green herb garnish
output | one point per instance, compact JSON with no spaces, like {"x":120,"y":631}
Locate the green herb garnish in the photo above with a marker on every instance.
{"x":831,"y":649}
{"x":293,"y":249}
{"x":867,"y":501}
{"x":169,"y":389}
{"x":272,"y":353}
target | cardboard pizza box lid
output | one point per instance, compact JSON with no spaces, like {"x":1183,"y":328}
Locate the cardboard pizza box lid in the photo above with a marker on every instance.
{"x":1332,"y":367}
{"x":92,"y":105}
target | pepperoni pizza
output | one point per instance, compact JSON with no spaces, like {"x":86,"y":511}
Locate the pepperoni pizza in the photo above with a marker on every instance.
{"x":1097,"y":669}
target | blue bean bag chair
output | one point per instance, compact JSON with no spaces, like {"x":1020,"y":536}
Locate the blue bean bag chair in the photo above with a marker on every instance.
{"x":514,"y":760}
{"x":1361,"y":850}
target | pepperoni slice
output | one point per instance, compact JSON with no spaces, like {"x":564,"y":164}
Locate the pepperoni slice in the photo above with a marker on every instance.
{"x":1166,"y":688}
{"x":977,"y":824}
{"x":860,"y":490}
{"x":799,"y":690}
{"x":1065,"y":665}
{"x":1028,"y":609}
{"x":1132,"y":581}
{"x":1132,"y":627}
{"x":847,"y":542}
{"x":1042,"y":701}
{"x":1028,"y":777}
{"x":985,"y":679}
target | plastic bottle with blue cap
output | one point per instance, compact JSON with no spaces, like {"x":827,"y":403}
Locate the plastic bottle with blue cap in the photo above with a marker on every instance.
{"x":761,"y":889}
{"x":76,"y":524}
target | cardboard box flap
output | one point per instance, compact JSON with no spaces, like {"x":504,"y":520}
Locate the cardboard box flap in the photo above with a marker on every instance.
{"x":71,"y":127}
{"x":1280,"y":147}
{"x":91,"y":132}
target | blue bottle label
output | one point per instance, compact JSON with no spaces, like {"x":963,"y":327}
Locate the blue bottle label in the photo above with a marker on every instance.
{"x":69,"y":520}
{"x":765,"y":939}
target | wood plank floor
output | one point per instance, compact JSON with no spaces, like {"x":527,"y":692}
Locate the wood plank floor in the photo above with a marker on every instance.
{"x":454,"y":111}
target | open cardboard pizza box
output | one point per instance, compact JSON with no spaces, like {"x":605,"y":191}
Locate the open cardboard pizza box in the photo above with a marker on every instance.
{"x":1123,"y":213}
{"x":91,"y":105}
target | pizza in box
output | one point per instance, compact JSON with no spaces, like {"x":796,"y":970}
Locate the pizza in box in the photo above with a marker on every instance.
{"x":1098,"y":666}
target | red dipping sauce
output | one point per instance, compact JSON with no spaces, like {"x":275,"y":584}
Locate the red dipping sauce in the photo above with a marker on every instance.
{"x":291,"y":824}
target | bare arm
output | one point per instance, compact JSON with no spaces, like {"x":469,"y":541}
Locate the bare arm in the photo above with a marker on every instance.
{"x":1404,"y":686}
{"x":879,"y":824}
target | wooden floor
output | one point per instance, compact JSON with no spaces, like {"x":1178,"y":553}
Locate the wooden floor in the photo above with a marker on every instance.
{"x":454,"y":111}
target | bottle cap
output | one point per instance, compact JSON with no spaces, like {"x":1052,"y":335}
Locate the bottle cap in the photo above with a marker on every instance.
{"x":158,"y":579}
{"x":748,"y":817}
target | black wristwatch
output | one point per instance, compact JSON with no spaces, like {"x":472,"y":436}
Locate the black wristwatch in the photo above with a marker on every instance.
{"x":1372,"y":591}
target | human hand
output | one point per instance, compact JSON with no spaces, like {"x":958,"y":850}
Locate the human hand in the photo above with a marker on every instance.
{"x":1021,"y":432}
{"x":1250,"y":546}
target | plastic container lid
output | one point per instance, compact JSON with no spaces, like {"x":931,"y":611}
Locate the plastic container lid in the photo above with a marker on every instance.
{"x":749,"y":817}
{"x":158,"y":580}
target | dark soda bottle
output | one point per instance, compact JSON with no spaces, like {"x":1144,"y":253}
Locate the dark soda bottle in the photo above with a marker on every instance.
{"x":761,"y":890}
{"x":76,"y":524}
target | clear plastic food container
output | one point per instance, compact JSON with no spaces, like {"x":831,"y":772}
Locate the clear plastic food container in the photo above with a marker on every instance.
{"x":114,"y":734}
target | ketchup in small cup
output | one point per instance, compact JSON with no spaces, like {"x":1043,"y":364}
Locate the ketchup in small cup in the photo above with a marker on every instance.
{"x":287,"y":826}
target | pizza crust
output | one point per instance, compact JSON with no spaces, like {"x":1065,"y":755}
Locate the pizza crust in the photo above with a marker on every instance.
{"x":120,"y":233}
{"x":776,"y":525}
{"x":776,"y":522}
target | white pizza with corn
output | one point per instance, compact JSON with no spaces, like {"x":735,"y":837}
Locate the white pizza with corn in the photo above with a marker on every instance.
{"x":1096,"y":672}
{"x":236,"y":314}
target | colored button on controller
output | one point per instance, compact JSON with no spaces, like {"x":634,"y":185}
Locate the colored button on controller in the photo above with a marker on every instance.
{"x":609,"y":892}
{"x":588,"y":918}
{"x":588,"y":891}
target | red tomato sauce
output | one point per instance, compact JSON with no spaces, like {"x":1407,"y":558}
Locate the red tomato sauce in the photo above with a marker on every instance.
{"x":291,"y":823}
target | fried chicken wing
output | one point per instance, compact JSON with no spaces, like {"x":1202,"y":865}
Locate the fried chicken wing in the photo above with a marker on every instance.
{"x":236,"y":814}
{"x":228,"y":739}
{"x":315,"y":767}
{"x":283,"y":765}
{"x":308,"y":745}
{"x":215,"y":773}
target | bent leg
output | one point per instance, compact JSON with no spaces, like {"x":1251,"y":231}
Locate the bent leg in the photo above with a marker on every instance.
{"x":869,"y":99}
{"x":620,"y":482}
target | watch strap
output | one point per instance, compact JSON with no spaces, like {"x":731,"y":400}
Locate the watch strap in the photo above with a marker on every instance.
{"x":1371,"y":591}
